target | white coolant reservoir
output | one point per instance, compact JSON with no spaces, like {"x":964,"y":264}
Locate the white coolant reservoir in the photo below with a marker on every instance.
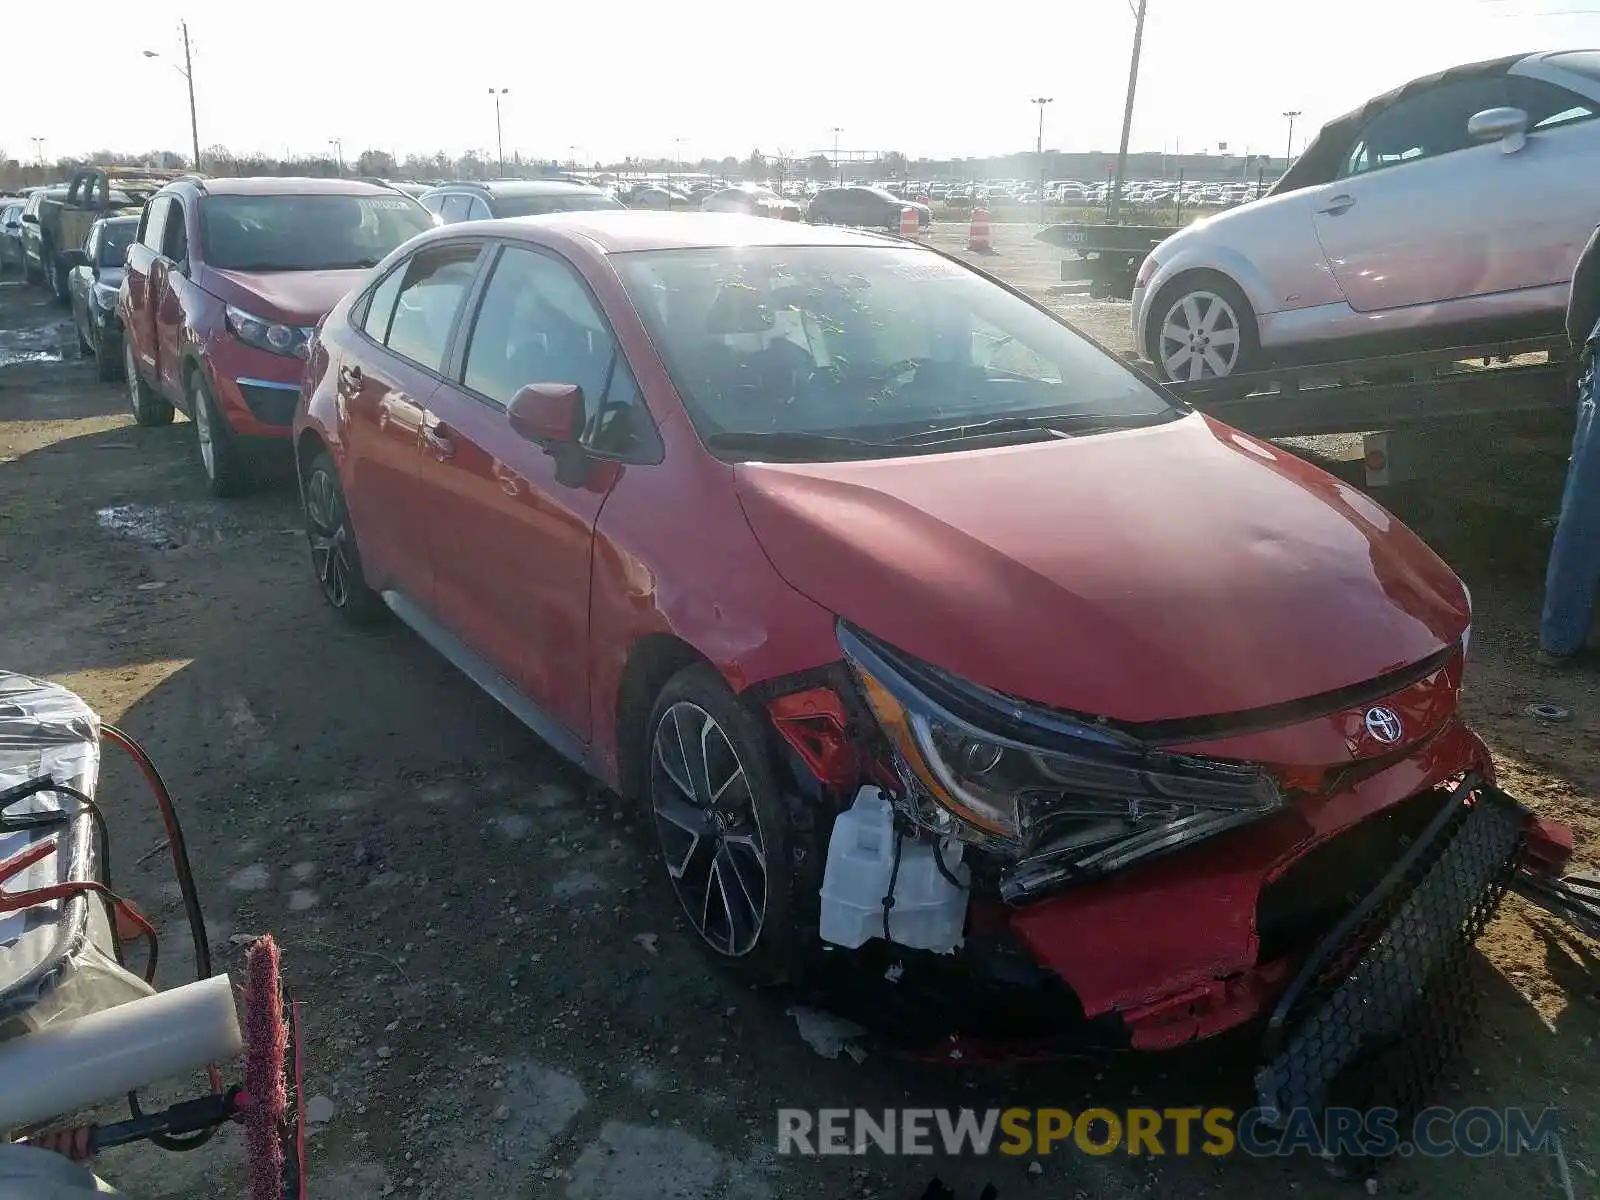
{"x":929,"y":911}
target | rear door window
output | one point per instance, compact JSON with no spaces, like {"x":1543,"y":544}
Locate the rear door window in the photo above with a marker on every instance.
{"x":154,"y":227}
{"x":436,"y":282}
{"x":454,"y":208}
{"x":478,"y":210}
{"x":175,"y":241}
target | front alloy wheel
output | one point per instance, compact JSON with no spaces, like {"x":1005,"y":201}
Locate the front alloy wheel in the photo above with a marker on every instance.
{"x":710,"y":830}
{"x":1200,"y":337}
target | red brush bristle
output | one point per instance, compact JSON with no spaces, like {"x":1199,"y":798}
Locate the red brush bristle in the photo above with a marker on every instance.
{"x":265,"y":1040}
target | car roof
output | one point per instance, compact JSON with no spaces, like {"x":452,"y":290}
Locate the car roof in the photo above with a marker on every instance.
{"x":132,"y":219}
{"x":623,"y":230}
{"x":273,"y":185}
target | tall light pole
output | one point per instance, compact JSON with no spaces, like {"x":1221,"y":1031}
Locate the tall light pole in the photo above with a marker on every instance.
{"x":1041,"y":101}
{"x":187,"y":71}
{"x":837,"y":161}
{"x":499,"y":140}
{"x":1289,"y":152}
{"x":38,"y":149}
{"x":1127,"y":112}
{"x":338,"y":156}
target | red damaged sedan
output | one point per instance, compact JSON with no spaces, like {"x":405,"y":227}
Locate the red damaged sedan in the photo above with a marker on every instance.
{"x":953,"y":659}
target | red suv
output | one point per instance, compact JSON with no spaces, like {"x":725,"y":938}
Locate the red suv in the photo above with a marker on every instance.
{"x":224,"y":281}
{"x":926,"y":631}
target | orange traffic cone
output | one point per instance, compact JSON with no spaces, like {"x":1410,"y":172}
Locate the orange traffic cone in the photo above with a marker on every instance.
{"x":908,"y":222}
{"x":978,"y":231}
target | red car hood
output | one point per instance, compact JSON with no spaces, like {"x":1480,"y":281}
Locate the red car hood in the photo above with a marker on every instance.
{"x":293,"y":297}
{"x":1177,"y":571}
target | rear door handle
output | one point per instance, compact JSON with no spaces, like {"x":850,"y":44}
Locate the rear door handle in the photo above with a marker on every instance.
{"x":436,"y":435}
{"x":1338,"y":204}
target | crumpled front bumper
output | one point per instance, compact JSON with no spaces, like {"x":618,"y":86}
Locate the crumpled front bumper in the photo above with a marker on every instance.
{"x":1382,"y":1004}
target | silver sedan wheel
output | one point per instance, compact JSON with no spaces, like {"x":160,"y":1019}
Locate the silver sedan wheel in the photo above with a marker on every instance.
{"x":709,"y":832}
{"x":200,"y":414}
{"x":329,"y":535}
{"x":1199,"y":338}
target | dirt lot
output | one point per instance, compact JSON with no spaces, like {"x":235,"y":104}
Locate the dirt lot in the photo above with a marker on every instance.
{"x":500,"y":1000}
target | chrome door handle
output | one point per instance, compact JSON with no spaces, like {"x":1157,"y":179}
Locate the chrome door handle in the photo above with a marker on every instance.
{"x":1338,"y":204}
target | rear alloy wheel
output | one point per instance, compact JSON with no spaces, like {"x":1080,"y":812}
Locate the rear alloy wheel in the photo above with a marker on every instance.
{"x":1203,"y":329}
{"x":227,"y":470}
{"x":149,"y":406}
{"x":721,"y":825}
{"x":334,"y":556}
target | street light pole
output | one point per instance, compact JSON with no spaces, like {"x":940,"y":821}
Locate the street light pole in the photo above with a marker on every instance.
{"x":1289,"y":150}
{"x":38,"y":149}
{"x":338,"y":156}
{"x":1041,"y":101}
{"x":499,"y":141}
{"x":1127,"y":112}
{"x":837,"y":161}
{"x":187,"y":71}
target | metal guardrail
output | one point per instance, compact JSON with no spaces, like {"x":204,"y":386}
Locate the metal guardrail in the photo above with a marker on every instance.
{"x":1386,"y":392}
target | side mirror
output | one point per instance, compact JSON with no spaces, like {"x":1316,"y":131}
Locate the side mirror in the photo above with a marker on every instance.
{"x":547,"y":413}
{"x":29,"y":219}
{"x":73,"y":258}
{"x":1508,"y":126}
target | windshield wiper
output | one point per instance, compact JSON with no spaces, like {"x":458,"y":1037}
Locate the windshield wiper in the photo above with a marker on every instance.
{"x":785,"y":444}
{"x":1056,"y":423}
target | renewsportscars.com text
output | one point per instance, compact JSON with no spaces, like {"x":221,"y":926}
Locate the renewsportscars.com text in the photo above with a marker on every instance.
{"x":1376,"y":1132}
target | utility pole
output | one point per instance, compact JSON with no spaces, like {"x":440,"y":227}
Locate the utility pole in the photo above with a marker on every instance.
{"x":1041,"y":101}
{"x":188,"y":74}
{"x":1289,"y":150}
{"x":187,"y":71}
{"x":499,"y":140}
{"x":1127,"y":113}
{"x":837,"y":161}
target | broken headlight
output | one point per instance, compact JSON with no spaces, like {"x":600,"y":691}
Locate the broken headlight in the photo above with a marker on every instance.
{"x":1064,"y":797}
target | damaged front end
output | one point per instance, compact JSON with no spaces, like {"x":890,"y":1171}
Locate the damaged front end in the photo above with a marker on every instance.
{"x":1055,"y":801}
{"x":1338,"y":912}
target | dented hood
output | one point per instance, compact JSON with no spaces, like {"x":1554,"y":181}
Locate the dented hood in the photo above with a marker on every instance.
{"x":1177,"y":571}
{"x":293,"y":297}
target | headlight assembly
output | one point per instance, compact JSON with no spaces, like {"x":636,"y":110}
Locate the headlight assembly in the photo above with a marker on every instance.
{"x":272,"y":336}
{"x":105,"y":297}
{"x":1062,"y":797}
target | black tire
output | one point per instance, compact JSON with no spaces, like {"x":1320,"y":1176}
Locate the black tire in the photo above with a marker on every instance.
{"x":1196,"y":284}
{"x":55,"y":278}
{"x":753,"y":805}
{"x":331,"y":538}
{"x":149,"y":406}
{"x":107,"y":366}
{"x":224,"y":464}
{"x":85,"y":350}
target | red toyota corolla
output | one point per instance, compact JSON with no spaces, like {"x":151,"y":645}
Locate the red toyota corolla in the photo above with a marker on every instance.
{"x":949,"y":654}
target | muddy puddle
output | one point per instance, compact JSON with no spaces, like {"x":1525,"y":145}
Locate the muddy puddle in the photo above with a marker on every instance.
{"x":19,"y":346}
{"x":174,"y":526}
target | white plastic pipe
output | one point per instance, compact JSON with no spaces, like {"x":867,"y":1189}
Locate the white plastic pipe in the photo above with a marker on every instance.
{"x":60,"y":1070}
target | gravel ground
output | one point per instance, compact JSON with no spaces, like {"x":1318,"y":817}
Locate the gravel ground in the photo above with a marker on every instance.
{"x":499,"y":999}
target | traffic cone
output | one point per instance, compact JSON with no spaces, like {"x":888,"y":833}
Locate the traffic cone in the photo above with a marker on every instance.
{"x":978,"y":231}
{"x":908,"y":222}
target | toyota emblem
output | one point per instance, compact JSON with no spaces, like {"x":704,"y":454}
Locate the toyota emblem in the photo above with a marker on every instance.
{"x":1384,"y":725}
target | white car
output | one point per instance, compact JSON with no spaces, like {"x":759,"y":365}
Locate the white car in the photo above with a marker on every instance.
{"x":1448,"y":211}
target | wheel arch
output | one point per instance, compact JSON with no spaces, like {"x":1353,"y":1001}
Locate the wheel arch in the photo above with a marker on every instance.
{"x":654,"y":659}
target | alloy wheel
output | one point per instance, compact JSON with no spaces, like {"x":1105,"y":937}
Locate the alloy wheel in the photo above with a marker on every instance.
{"x":1199,"y":338}
{"x":200,"y":413}
{"x":710,"y":834}
{"x":329,"y":535}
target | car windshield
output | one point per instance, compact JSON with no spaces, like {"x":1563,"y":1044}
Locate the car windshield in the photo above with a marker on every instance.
{"x":551,"y":202}
{"x":114,"y":241}
{"x":305,"y":233}
{"x":871,"y":347}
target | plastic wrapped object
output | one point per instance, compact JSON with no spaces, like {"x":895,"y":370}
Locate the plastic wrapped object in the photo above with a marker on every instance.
{"x":57,"y":958}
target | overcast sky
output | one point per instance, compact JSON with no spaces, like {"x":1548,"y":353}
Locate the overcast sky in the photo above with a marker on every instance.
{"x":728,"y":76}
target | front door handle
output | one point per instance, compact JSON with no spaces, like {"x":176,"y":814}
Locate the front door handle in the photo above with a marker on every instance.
{"x":1338,"y":204}
{"x":436,"y":436}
